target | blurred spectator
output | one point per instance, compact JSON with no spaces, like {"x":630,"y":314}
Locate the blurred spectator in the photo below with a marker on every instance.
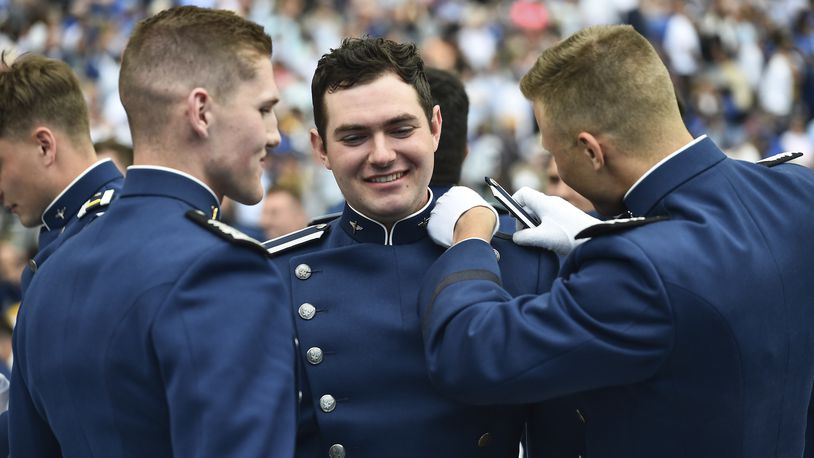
{"x":556,"y":187}
{"x":120,"y":154}
{"x":282,"y":212}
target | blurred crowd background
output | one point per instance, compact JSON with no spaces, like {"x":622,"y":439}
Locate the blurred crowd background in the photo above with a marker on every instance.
{"x":744,"y":71}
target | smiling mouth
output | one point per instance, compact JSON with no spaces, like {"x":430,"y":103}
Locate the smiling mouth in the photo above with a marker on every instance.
{"x":386,"y":178}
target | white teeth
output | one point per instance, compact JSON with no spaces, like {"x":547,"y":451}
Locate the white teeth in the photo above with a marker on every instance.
{"x":387,"y":178}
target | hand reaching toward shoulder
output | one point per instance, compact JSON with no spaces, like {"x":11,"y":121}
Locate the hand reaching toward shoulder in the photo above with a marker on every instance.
{"x":448,"y":224}
{"x":559,"y":222}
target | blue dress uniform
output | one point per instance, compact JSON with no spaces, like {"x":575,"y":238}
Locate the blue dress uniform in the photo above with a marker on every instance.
{"x":151,"y":334}
{"x":366,"y":393}
{"x":79,"y":204}
{"x":690,"y":336}
{"x":68,"y":214}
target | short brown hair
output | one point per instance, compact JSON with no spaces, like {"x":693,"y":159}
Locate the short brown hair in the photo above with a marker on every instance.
{"x":182,"y":48}
{"x":35,"y":89}
{"x":604,"y":78}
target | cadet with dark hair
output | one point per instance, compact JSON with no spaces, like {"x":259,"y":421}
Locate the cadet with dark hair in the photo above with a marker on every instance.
{"x":686,"y":329}
{"x":449,"y":94}
{"x":158,"y":331}
{"x":354,"y":281}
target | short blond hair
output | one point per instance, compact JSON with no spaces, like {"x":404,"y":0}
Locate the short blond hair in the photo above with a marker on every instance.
{"x":182,"y":48}
{"x":606,"y":79}
{"x":38,"y":90}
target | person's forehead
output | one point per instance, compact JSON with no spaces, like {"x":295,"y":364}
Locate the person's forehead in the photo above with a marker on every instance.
{"x":374,"y":101}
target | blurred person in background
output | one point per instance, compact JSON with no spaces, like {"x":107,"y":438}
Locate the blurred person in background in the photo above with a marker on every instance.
{"x":555,"y":186}
{"x":282,"y":212}
{"x":119,"y":153}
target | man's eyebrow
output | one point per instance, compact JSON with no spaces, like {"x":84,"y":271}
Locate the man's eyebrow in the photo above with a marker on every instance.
{"x":406,"y":117}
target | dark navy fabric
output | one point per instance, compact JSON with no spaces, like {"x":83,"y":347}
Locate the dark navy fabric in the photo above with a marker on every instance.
{"x":60,"y":218}
{"x":146,"y":335}
{"x":688,"y":337}
{"x":360,"y":283}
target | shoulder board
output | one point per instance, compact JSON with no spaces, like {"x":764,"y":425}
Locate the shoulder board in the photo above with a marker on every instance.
{"x":97,"y":202}
{"x":225,"y":231}
{"x":771,"y":161}
{"x":326,"y":218}
{"x":616,"y":225}
{"x":295,"y":239}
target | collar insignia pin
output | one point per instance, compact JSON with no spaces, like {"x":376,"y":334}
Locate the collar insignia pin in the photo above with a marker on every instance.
{"x":355,"y":227}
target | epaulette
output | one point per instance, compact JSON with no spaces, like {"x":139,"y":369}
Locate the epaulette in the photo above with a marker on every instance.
{"x":295,"y":239}
{"x":616,"y":225}
{"x":326,"y":218}
{"x":97,"y":202}
{"x":225,"y":231}
{"x":771,"y":161}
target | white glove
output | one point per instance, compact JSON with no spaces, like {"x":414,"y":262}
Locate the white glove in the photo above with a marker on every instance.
{"x":559,"y":222}
{"x":448,"y":208}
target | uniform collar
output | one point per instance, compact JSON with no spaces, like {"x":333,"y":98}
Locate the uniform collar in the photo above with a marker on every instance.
{"x":71,"y":199}
{"x":406,"y":230}
{"x":665,"y":176}
{"x":163,"y":181}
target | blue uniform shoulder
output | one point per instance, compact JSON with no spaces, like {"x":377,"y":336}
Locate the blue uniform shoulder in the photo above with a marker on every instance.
{"x":295,"y":239}
{"x":617,"y":225}
{"x":225,"y":231}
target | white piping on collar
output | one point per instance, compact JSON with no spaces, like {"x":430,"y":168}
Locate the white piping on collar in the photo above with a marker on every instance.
{"x":388,"y":235}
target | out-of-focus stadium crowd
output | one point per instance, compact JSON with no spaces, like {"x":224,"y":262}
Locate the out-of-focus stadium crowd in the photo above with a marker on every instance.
{"x":744,"y":71}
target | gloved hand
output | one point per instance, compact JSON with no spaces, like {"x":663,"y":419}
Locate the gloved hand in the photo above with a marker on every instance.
{"x":448,"y":208}
{"x":559,"y":222}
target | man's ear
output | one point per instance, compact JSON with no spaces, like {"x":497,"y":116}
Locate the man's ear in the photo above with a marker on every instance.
{"x":318,"y":149}
{"x":435,"y":125}
{"x":590,"y":146}
{"x":46,"y":144}
{"x":199,"y":111}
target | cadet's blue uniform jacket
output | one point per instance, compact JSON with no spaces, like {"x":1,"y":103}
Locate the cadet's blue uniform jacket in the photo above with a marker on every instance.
{"x":150,"y":335}
{"x":366,"y":391}
{"x":96,"y":187}
{"x":688,"y":337}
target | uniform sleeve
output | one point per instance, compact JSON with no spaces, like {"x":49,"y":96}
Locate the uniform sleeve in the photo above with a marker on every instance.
{"x":225,"y":343}
{"x":608,"y":323}
{"x":28,"y":432}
